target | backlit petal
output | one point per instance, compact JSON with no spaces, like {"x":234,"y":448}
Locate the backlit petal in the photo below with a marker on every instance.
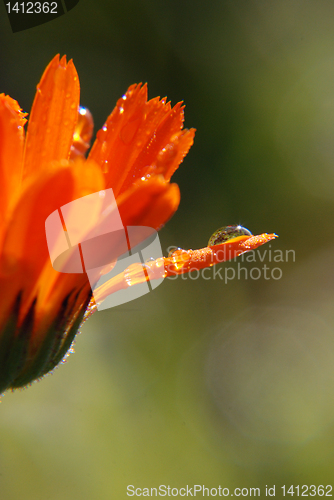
{"x":53,"y":116}
{"x":149,"y":203}
{"x":11,"y":150}
{"x":25,"y":253}
{"x":139,"y":139}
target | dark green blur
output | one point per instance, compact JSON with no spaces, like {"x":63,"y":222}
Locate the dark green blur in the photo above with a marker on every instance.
{"x":225,"y":378}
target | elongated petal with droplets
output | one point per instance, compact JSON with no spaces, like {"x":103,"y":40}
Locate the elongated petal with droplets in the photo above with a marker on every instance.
{"x":53,"y":117}
{"x":180,"y":262}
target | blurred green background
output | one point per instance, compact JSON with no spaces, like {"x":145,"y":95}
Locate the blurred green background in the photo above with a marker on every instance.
{"x":202,"y":381}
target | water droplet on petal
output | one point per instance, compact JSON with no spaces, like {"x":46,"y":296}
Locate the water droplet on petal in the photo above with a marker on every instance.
{"x":101,"y":134}
{"x":170,"y":253}
{"x":145,"y":177}
{"x":129,"y":131}
{"x":226,"y":233}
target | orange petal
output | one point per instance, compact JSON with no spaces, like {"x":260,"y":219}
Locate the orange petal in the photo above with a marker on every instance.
{"x":25,"y":251}
{"x":149,"y":203}
{"x":11,"y":151}
{"x":140,"y":138}
{"x":170,"y":157}
{"x":184,"y":261}
{"x":255,"y":241}
{"x":14,"y":105}
{"x":53,"y":116}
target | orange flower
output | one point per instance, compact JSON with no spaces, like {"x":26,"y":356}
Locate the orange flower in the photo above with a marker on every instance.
{"x":140,"y":146}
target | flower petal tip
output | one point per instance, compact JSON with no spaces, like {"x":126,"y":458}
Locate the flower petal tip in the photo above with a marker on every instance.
{"x":255,"y":241}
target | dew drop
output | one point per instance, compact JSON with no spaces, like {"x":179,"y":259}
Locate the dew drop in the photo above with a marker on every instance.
{"x":145,"y":177}
{"x":101,"y":134}
{"x":170,"y":253}
{"x":226,"y":233}
{"x":127,"y":277}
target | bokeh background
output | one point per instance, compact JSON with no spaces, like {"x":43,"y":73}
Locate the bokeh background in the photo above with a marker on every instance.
{"x":202,"y":381}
